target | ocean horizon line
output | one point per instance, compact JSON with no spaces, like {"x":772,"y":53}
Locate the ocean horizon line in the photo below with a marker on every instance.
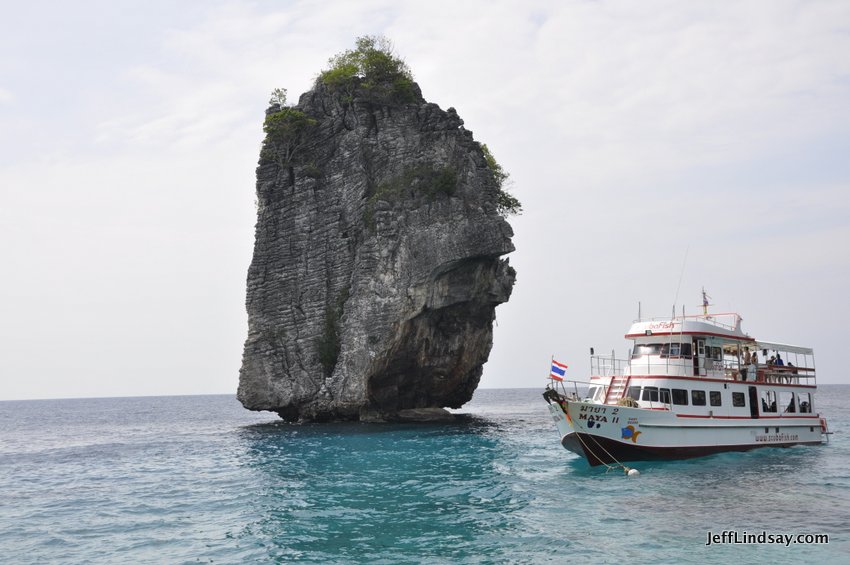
{"x":54,"y":398}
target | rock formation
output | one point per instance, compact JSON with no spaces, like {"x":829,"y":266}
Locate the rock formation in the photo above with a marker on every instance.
{"x":377,"y":263}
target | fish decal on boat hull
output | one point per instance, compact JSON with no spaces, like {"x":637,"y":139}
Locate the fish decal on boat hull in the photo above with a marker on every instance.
{"x":630,"y":433}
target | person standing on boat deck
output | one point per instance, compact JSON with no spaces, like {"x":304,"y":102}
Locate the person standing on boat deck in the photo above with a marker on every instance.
{"x":755,"y":364}
{"x":747,"y":360}
{"x":779,"y":361}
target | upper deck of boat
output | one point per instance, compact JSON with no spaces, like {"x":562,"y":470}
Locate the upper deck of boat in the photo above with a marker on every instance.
{"x":709,"y":346}
{"x":726,"y":325}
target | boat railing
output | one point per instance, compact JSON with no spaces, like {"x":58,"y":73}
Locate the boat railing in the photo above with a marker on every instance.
{"x":715,"y":368}
{"x":606,"y":366}
{"x":782,"y":374}
{"x":651,"y":364}
{"x":767,"y":373}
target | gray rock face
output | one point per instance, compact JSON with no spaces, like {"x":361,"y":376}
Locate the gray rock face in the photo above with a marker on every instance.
{"x":377,"y":263}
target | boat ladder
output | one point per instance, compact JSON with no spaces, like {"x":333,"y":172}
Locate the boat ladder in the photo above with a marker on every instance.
{"x":618,"y":386}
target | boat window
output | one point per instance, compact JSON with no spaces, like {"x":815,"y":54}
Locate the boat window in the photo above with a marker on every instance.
{"x":664,"y":395}
{"x":634,"y":392}
{"x":680,"y":396}
{"x":650,"y":393}
{"x":717,"y":353}
{"x":646,"y":349}
{"x":591,"y":391}
{"x":664,"y":349}
{"x":738,"y":399}
{"x":714,"y":398}
{"x":805,"y":399}
{"x":768,"y":401}
{"x":676,"y":350}
{"x":788,"y":402}
{"x":698,"y":397}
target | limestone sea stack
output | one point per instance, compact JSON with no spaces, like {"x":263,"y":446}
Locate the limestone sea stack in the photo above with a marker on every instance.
{"x":378,"y":259}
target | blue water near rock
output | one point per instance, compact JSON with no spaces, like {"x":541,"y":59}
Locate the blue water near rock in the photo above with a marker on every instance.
{"x":200,"y":479}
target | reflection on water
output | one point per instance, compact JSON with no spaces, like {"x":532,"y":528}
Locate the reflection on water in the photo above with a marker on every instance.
{"x":356,"y":490}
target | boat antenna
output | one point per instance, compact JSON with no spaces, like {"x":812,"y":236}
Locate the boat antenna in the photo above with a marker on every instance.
{"x":681,"y":274}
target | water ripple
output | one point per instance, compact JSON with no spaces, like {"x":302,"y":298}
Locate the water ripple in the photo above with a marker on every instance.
{"x":198,"y":479}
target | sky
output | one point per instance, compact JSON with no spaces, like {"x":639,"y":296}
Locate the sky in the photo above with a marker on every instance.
{"x":658,"y":147}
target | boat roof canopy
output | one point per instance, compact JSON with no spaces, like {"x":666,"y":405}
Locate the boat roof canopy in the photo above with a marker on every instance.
{"x":785,"y":348}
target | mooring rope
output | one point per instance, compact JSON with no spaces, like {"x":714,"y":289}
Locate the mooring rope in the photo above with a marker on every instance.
{"x":586,"y":448}
{"x":590,"y":451}
{"x":625,"y":469}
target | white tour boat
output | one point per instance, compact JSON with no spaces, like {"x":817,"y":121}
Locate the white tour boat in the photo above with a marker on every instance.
{"x":693,"y":386}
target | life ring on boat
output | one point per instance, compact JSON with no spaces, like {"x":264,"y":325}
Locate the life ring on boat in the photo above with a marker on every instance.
{"x":823,"y":425}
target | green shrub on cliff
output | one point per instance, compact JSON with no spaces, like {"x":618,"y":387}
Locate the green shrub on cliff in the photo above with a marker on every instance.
{"x":506,"y":203}
{"x":278,"y":97}
{"x":381,"y":73}
{"x":284,"y":130}
{"x":286,"y":124}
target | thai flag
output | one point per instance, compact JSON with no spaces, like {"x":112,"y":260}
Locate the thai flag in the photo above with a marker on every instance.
{"x":558,"y":371}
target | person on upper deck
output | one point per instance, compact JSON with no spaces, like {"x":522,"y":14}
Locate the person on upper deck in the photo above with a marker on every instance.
{"x":779,"y":360}
{"x":755,"y":365}
{"x":772,"y":360}
{"x":745,"y":364}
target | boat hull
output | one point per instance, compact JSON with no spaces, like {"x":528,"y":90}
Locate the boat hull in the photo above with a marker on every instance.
{"x":605,"y":434}
{"x":602,"y":450}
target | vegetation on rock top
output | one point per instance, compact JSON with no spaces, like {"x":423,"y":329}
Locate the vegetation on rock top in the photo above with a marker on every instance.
{"x":374,"y":67}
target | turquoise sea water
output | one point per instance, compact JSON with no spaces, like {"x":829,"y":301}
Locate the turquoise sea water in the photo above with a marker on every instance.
{"x":199,"y":479}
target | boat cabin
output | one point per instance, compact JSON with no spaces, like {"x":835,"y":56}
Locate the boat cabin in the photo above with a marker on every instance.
{"x":689,"y":365}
